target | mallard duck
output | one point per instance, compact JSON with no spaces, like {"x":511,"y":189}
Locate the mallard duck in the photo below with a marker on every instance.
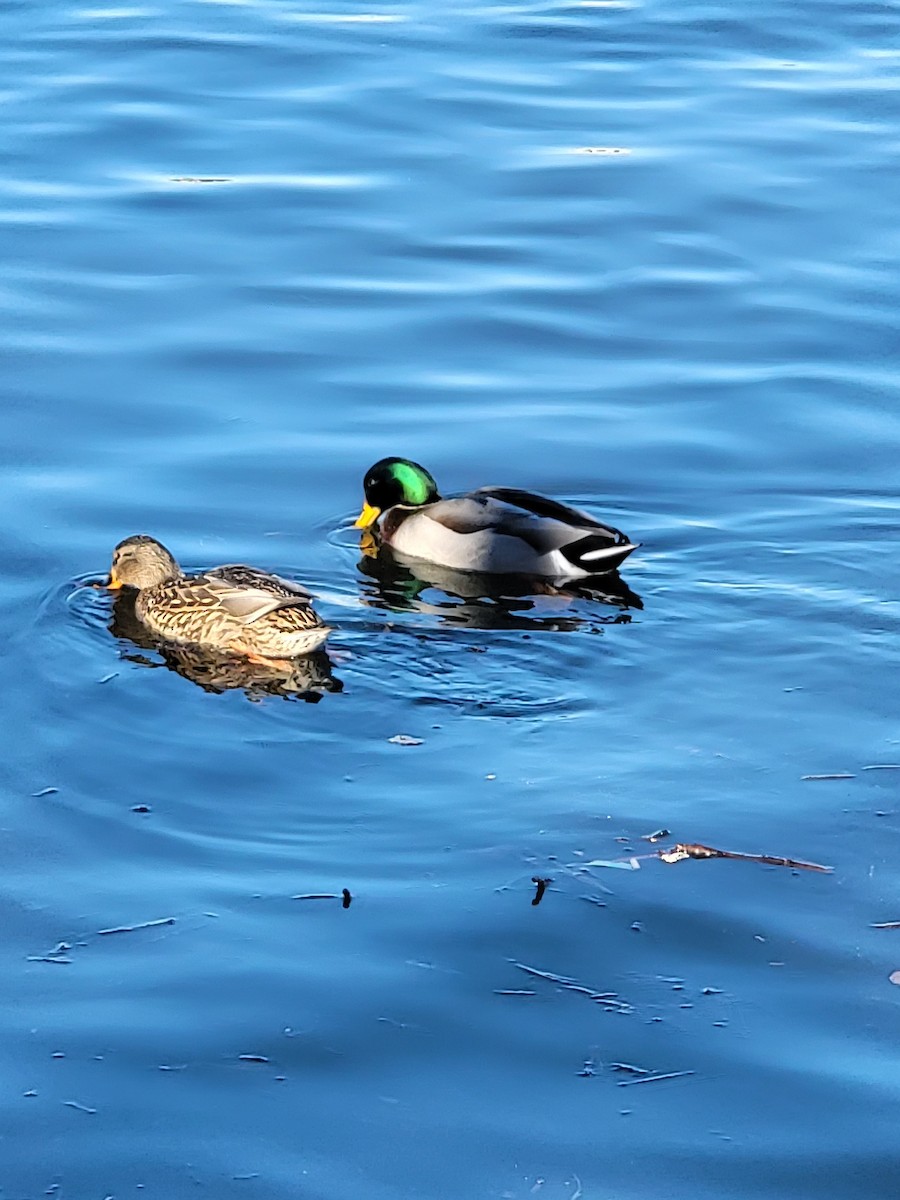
{"x":233,"y":608}
{"x":305,"y":678}
{"x":493,"y":530}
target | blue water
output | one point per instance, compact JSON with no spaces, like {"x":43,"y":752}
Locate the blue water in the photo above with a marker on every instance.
{"x":639,"y":256}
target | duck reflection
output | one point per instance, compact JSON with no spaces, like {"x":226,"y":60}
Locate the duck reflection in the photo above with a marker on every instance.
{"x":490,"y":601}
{"x":306,"y":678}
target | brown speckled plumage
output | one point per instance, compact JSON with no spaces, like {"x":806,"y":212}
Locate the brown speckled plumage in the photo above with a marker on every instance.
{"x":235,"y":608}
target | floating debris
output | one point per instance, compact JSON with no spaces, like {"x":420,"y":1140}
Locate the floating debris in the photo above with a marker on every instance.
{"x":345,"y":897}
{"x":819,"y":778}
{"x":255,"y":1058}
{"x":589,"y":1068}
{"x":514,"y":992}
{"x":608,"y":1000}
{"x":886,"y":925}
{"x":140,"y":808}
{"x":133,"y":928}
{"x":54,"y":958}
{"x":200,"y":179}
{"x":655,"y":837}
{"x":80,"y":1107}
{"x":47,"y":791}
{"x":403,"y":739}
{"x":541,"y":883}
{"x":602,"y":150}
{"x":683,"y":850}
{"x":654,"y":1078}
{"x":620,"y":864}
{"x":629,"y":1069}
{"x":107,"y":678}
{"x":894,"y":977}
{"x":882,"y":767}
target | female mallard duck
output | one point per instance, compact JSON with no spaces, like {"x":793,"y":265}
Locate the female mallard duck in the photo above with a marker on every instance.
{"x":235,"y":608}
{"x":493,"y":530}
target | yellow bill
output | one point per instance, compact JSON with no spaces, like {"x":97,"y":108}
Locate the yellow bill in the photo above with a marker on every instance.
{"x":368,"y":545}
{"x":114,"y":582}
{"x":367,"y":517}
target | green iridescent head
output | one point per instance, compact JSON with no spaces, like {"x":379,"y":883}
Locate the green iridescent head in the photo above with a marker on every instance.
{"x":395,"y":481}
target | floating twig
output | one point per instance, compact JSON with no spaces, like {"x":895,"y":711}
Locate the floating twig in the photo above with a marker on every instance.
{"x":683,"y":850}
{"x":886,"y":925}
{"x":882,"y":767}
{"x":80,"y":1107}
{"x":255,"y":1058}
{"x":622,"y":864}
{"x":133,"y":928}
{"x":514,"y":992}
{"x":541,"y":882}
{"x":47,"y":791}
{"x":56,"y":958}
{"x":608,"y":1000}
{"x":654,"y":1078}
{"x":345,"y":897}
{"x":821,"y":778}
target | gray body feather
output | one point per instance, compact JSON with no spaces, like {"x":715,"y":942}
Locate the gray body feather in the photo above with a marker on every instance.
{"x":505,"y":531}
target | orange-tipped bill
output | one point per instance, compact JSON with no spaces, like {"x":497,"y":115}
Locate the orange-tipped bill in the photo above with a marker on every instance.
{"x":367,"y":517}
{"x":114,"y":582}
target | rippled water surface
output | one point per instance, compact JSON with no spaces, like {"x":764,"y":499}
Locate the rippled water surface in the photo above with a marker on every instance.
{"x":639,"y":256}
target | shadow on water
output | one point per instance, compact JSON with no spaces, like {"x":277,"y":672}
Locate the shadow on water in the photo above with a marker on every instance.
{"x":307,"y":678}
{"x":491,"y":601}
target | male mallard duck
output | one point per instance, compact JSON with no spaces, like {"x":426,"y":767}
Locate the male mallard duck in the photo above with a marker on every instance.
{"x":493,"y":530}
{"x":235,"y":608}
